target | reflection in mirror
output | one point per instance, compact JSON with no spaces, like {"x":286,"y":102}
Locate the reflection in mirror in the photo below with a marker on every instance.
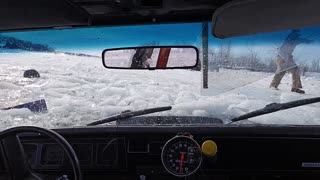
{"x":151,"y":57}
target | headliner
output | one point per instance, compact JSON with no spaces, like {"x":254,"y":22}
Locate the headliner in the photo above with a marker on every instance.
{"x":18,"y":15}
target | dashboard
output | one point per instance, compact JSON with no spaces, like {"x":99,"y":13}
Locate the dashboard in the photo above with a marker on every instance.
{"x":162,"y":152}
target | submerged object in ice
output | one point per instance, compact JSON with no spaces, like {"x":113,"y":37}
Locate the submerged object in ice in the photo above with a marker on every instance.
{"x":31,"y":73}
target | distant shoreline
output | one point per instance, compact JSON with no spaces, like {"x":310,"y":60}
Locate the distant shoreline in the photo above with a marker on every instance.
{"x":5,"y":50}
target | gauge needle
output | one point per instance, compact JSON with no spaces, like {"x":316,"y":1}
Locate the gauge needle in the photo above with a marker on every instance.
{"x":181,"y":161}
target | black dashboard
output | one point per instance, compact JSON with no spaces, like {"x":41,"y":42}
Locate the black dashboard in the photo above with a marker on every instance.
{"x":134,"y":152}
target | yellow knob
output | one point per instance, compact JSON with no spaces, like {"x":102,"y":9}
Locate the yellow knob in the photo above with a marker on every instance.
{"x":209,"y":148}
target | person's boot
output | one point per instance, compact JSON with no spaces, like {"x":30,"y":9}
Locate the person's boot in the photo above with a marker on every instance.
{"x":273,"y":87}
{"x":297,"y":90}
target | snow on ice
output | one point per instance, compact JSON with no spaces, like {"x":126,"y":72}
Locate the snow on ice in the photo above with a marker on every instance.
{"x":79,"y":90}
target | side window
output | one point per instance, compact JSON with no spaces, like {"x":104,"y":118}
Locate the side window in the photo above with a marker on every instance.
{"x":294,"y":51}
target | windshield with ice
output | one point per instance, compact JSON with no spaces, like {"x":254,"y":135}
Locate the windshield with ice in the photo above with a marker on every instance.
{"x":55,"y":78}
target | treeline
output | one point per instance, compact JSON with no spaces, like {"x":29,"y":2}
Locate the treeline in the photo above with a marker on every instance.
{"x":313,"y":67}
{"x":78,"y":54}
{"x":14,"y":43}
{"x":222,"y":57}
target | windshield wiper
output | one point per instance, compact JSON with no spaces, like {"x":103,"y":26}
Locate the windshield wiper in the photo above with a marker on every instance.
{"x":274,"y":107}
{"x":129,"y":114}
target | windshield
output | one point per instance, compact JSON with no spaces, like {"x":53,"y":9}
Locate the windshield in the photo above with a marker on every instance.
{"x":62,"y":71}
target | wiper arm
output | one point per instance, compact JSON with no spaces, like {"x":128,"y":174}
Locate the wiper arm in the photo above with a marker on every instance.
{"x":274,"y":107}
{"x":129,"y":114}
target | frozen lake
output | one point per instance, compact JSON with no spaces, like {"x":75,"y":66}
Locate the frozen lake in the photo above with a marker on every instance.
{"x":79,"y":90}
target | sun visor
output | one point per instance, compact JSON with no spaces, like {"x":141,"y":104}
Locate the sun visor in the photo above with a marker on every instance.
{"x":34,"y":14}
{"x":247,"y":17}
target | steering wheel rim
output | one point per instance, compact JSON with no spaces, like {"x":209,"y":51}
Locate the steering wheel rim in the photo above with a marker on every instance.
{"x":62,"y":142}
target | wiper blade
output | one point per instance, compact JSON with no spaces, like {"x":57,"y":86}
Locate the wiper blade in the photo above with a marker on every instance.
{"x":129,"y":114}
{"x":274,"y":107}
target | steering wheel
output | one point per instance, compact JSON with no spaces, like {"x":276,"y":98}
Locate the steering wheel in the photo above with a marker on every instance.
{"x":18,"y":163}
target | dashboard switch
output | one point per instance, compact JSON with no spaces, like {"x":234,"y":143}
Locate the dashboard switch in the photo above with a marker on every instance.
{"x":209,"y":148}
{"x":63,"y":177}
{"x":142,"y":177}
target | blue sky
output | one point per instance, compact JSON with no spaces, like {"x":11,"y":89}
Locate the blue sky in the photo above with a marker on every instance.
{"x":97,"y":39}
{"x":112,"y":37}
{"x":137,"y":35}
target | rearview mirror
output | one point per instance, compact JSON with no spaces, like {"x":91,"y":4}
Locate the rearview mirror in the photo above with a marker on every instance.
{"x":151,"y":57}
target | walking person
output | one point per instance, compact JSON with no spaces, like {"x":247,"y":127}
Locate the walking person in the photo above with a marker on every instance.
{"x":285,"y":62}
{"x":141,"y":57}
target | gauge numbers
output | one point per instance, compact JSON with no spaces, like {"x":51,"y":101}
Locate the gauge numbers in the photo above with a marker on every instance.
{"x":181,"y":156}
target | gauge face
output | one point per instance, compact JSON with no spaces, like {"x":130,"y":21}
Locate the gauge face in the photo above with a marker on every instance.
{"x":181,"y":156}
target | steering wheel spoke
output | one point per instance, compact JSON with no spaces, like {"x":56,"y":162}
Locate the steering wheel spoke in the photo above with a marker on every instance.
{"x":18,"y":163}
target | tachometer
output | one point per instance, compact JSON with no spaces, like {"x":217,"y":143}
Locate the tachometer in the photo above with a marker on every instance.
{"x":181,"y":156}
